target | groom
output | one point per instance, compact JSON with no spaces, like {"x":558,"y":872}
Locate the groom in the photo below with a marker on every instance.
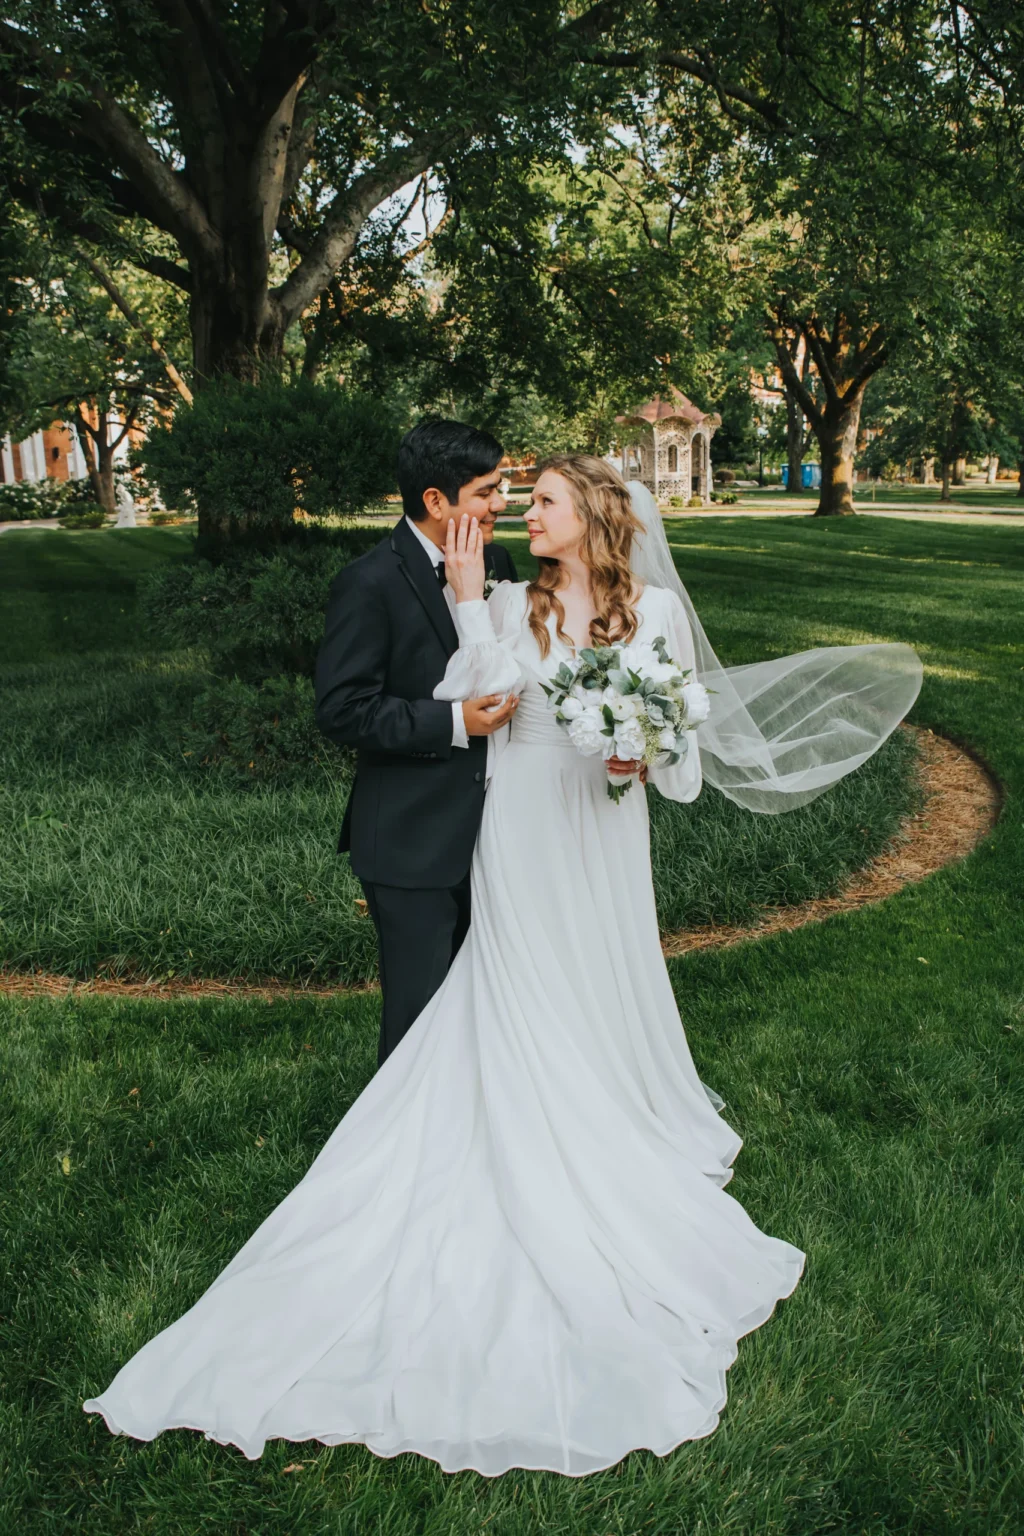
{"x":414,"y":811}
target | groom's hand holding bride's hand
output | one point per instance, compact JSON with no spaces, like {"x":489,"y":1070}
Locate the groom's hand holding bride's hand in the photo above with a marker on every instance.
{"x":464,"y":559}
{"x":485,"y":716}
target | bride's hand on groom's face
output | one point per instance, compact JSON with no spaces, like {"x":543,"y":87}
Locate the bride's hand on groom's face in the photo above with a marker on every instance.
{"x":464,"y":559}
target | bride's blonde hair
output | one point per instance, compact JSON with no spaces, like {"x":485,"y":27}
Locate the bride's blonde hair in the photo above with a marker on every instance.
{"x":604,"y":506}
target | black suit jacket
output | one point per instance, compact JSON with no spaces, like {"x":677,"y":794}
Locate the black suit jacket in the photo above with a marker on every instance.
{"x":415,"y":807}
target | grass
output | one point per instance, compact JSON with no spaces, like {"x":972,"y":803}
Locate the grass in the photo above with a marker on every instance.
{"x":117,"y":857}
{"x":976,"y":497}
{"x":874,"y":1065}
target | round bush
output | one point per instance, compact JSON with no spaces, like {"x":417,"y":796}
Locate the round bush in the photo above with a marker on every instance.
{"x":248,"y":457}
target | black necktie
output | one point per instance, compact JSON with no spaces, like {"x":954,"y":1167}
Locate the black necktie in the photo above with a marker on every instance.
{"x":442,"y":575}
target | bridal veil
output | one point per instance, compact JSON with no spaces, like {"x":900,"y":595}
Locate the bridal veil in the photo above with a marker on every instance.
{"x":781,"y":732}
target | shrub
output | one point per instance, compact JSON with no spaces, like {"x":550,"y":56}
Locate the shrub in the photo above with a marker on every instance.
{"x":258,"y":615}
{"x":252,"y":455}
{"x":695,"y":501}
{"x":260,"y":619}
{"x":166,"y":519}
{"x":258,"y":734}
{"x":95,"y":518}
{"x":28,"y":500}
{"x":676,"y":501}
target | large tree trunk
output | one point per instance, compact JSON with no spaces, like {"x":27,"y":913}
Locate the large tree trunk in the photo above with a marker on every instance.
{"x":928,"y":469}
{"x":845,"y":356}
{"x":98,"y":452}
{"x":837,"y":440}
{"x":993,"y":469}
{"x":947,"y":476}
{"x":960,"y":472}
{"x":1020,"y":476}
{"x":795,"y":439}
{"x":235,"y":329}
{"x":103,"y":476}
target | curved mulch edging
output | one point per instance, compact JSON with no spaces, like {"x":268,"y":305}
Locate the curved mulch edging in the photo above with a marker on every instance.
{"x":962,"y":802}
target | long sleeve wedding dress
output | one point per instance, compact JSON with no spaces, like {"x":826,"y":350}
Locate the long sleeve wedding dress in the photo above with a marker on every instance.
{"x":516,"y":1249}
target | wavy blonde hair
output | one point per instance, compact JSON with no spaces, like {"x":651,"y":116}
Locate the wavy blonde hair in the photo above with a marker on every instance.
{"x":605,"y":508}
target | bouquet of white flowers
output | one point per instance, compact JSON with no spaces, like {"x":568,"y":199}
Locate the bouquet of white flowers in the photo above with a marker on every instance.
{"x":628,"y":701}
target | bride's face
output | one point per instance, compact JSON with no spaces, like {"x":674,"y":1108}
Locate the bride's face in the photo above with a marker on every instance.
{"x":553,"y":523}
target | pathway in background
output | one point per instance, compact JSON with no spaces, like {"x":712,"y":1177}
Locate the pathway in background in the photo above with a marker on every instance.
{"x":903,"y":514}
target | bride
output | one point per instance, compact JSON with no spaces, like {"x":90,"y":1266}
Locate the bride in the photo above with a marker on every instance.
{"x":517,"y":1249}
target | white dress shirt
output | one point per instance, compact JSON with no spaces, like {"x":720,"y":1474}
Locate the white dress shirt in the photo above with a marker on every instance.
{"x":460,"y":736}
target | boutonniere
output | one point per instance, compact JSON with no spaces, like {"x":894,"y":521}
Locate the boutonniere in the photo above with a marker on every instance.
{"x":490,"y":582}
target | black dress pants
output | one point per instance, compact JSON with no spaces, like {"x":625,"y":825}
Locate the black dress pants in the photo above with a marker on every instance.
{"x":419,"y":933}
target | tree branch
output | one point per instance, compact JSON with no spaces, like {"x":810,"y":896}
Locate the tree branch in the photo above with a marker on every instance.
{"x":215,"y":45}
{"x":112,"y":130}
{"x":162,"y":266}
{"x":874,"y":354}
{"x":793,"y":380}
{"x":336,"y":238}
{"x":821,"y":360}
{"x":698,"y":68}
{"x":134,"y":320}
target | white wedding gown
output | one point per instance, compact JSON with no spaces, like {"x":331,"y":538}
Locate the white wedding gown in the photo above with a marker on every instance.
{"x":516,"y":1249}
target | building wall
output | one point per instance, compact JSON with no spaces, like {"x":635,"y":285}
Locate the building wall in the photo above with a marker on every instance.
{"x":650,"y":461}
{"x":55,"y":453}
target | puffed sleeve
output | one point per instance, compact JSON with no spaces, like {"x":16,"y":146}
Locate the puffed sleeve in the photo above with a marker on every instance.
{"x":484,"y":661}
{"x":683,"y":780}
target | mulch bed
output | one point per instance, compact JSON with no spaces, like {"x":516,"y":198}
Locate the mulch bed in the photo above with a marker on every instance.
{"x":962,"y":802}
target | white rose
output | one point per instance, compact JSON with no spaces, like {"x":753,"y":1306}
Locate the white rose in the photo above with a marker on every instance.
{"x":624,"y":706}
{"x":648,"y":664}
{"x":586,"y":733}
{"x":667,"y":739}
{"x":571,"y":708}
{"x":697,"y":702}
{"x":629,"y":739}
{"x":581,"y":693}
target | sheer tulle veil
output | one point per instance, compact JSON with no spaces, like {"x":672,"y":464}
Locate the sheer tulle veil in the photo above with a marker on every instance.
{"x":781,"y":732}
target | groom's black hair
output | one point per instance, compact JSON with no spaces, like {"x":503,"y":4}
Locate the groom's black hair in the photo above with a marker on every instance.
{"x":446,"y":455}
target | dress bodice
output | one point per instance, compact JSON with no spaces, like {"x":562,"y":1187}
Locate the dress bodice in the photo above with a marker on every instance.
{"x":499,"y":654}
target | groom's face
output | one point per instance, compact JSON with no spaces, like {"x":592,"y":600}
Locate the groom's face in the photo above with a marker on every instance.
{"x":481,"y":499}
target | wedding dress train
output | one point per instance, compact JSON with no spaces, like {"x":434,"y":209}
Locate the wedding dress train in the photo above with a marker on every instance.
{"x":516,"y":1249}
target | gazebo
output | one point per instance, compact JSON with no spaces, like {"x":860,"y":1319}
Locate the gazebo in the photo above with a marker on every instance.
{"x":671,"y":453}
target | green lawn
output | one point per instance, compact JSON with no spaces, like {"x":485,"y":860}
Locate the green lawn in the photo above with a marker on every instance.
{"x":873,"y":1065}
{"x":116,"y":855}
{"x":975,"y":497}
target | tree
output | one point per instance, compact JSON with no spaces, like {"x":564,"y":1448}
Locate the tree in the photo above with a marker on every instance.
{"x":84,"y":348}
{"x":954,"y":389}
{"x":846,"y":355}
